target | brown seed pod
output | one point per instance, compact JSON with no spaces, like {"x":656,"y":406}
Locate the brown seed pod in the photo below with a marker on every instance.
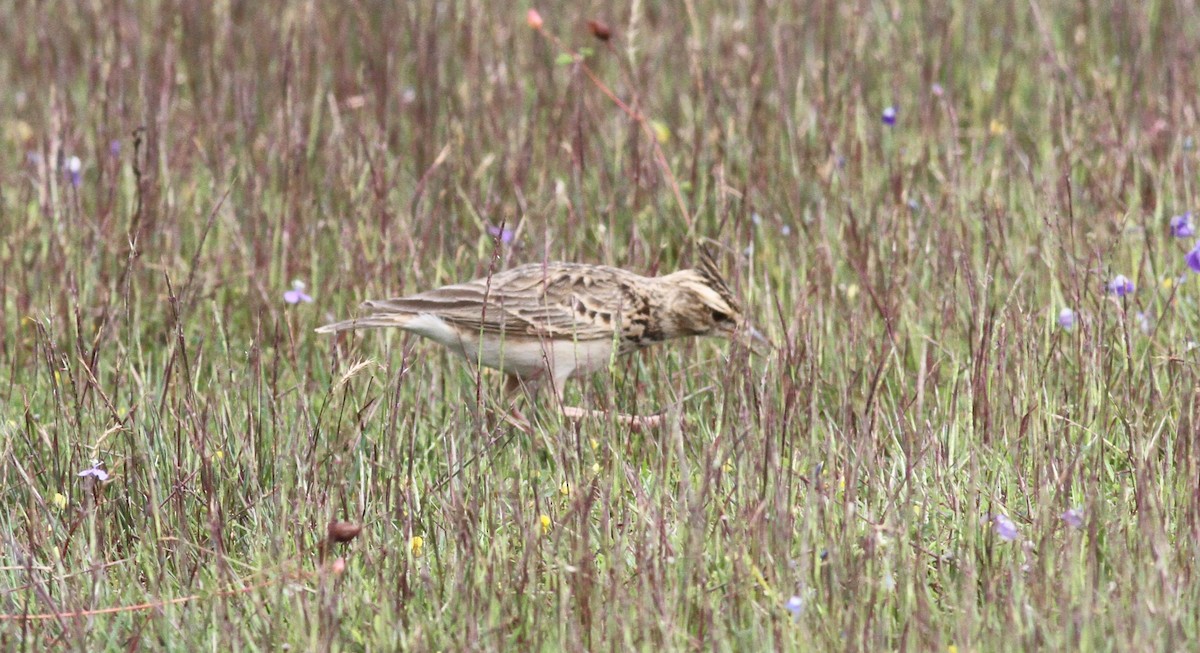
{"x":600,"y":29}
{"x":533,"y":19}
{"x":343,"y":531}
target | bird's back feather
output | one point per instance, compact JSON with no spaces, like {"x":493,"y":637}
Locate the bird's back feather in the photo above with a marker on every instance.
{"x":569,"y":300}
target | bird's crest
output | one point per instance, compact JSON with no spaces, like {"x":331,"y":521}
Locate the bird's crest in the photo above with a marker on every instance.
{"x":712,"y":274}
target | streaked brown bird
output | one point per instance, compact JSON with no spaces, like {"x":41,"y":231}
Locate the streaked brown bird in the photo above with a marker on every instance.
{"x":545,"y":323}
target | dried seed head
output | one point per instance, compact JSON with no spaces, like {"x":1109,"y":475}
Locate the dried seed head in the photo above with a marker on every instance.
{"x":343,"y":531}
{"x":600,"y":29}
{"x":534,"y":19}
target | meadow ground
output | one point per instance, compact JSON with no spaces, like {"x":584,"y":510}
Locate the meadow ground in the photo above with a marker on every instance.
{"x":929,"y":461}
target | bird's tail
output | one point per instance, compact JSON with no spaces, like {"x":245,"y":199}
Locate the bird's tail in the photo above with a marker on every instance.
{"x":367,"y":322}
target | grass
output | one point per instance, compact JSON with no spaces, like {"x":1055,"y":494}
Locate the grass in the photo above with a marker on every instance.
{"x":911,"y":276}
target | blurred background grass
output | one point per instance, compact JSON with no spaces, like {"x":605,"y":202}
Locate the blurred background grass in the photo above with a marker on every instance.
{"x":843,"y":493}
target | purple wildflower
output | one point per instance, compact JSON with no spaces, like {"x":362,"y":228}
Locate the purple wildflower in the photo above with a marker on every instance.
{"x":1121,"y":285}
{"x":503,"y":233}
{"x":889,"y":116}
{"x":1005,"y":528}
{"x":1073,"y":517}
{"x":1066,"y":318}
{"x":794,"y":605}
{"x":114,"y":148}
{"x":297,"y":295}
{"x":95,"y":472}
{"x":73,"y":167}
{"x":1182,"y":227}
{"x":937,"y":89}
{"x":1193,"y":258}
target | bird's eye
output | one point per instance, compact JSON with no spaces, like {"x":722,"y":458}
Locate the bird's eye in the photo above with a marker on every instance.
{"x":718,"y":316}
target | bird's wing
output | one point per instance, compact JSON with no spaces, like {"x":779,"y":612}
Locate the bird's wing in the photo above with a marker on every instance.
{"x":552,"y":300}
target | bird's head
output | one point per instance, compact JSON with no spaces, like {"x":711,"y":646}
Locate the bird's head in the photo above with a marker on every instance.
{"x":703,"y":305}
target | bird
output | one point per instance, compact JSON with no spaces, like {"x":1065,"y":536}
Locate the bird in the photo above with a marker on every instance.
{"x":543,"y":323}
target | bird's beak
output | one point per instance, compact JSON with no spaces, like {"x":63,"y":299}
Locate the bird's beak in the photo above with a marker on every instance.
{"x":757,"y":342}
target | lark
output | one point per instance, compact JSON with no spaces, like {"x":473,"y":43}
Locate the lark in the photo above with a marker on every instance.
{"x":544,"y":323}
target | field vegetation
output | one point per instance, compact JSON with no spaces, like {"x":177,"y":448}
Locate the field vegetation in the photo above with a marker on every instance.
{"x":964,"y":225}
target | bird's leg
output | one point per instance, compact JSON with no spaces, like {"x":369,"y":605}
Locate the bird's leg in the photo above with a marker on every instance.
{"x":636,"y":422}
{"x":573,"y":413}
{"x":512,"y":385}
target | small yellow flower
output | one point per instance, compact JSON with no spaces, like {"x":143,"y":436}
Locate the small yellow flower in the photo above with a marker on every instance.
{"x":952,"y":649}
{"x":545,"y":520}
{"x":595,"y":443}
{"x":17,"y":132}
{"x":727,"y":467}
{"x":662,"y":133}
{"x":218,"y":455}
{"x":417,"y":545}
{"x":565,"y":489}
{"x":997,"y":128}
{"x":59,"y":500}
{"x":595,"y":468}
{"x":1168,"y":283}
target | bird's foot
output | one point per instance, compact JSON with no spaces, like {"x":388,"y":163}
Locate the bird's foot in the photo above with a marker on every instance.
{"x":636,"y":422}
